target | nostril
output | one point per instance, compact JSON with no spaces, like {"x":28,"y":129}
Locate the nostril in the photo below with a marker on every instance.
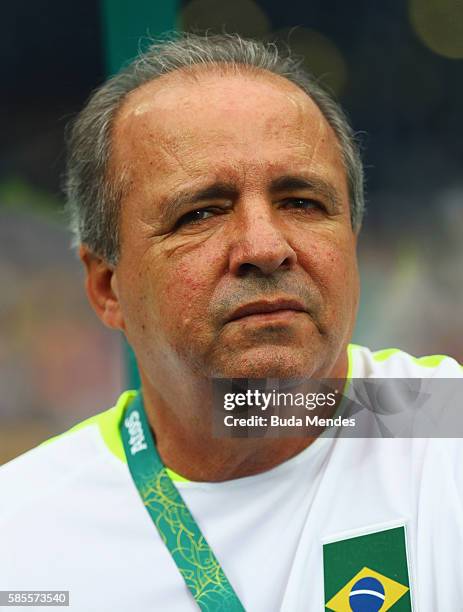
{"x":286,"y":263}
{"x":247,"y":268}
{"x":263,"y":269}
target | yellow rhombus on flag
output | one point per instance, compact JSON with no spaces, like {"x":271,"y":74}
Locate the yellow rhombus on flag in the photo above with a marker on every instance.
{"x":393,"y":591}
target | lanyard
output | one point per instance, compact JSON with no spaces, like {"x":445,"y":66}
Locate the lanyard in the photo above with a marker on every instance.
{"x":178,"y":529}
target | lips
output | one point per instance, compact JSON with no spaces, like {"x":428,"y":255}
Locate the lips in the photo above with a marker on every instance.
{"x":265,"y":307}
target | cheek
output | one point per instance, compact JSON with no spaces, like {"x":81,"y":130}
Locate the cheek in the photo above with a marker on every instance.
{"x":331,"y":262}
{"x":183,"y":293}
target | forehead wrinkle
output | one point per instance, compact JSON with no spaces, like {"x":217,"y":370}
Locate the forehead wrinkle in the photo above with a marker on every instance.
{"x":129,"y":146}
{"x":317,"y":140}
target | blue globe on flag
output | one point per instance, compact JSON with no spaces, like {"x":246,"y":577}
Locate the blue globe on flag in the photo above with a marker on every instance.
{"x":366,"y":595}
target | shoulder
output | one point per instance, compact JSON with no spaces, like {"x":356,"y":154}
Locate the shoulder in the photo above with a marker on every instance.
{"x":395,"y":363}
{"x":58,"y":463}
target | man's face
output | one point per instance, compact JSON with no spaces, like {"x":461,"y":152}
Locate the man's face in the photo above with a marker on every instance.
{"x":237,"y":252}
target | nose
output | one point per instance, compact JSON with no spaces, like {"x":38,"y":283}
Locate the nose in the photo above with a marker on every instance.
{"x":260,"y":244}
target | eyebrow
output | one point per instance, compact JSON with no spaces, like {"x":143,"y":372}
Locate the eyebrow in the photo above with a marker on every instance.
{"x":172,"y":206}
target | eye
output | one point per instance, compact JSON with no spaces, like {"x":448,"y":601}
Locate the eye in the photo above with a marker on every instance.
{"x":302,"y":204}
{"x":196,"y":216}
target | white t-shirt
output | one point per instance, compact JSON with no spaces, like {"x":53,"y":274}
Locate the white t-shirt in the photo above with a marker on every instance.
{"x":71,"y":517}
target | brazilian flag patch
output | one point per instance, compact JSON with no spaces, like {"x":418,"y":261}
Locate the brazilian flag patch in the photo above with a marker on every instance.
{"x":367,"y":573}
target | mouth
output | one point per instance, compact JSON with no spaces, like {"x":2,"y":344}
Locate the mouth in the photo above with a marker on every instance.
{"x":268,"y":309}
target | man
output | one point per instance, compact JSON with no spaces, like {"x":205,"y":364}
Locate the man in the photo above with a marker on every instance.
{"x":216,"y":194}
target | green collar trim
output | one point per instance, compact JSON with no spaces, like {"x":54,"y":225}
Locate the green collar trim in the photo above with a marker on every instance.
{"x":108,"y":424}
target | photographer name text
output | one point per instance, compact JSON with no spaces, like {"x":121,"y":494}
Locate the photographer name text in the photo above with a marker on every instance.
{"x":292,"y":421}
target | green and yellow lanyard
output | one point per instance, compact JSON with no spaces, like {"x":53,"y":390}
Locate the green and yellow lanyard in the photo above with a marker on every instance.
{"x":178,"y":529}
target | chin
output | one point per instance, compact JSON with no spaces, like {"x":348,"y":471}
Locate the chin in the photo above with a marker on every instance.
{"x":267,"y":363}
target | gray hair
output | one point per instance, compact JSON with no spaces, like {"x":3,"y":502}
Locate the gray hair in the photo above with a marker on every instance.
{"x":93,"y":197}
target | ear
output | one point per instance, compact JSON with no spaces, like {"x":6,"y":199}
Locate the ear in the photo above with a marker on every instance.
{"x":102,"y":290}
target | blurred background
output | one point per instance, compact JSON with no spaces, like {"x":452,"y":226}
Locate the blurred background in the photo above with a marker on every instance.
{"x":396,"y":67}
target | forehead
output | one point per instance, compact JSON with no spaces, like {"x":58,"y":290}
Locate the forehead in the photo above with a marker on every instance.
{"x":245,"y":122}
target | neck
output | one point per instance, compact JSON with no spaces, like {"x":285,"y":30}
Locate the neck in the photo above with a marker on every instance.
{"x":182,"y":424}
